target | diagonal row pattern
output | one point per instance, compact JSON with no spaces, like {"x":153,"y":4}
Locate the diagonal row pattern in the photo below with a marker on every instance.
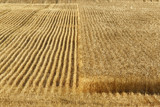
{"x":39,"y":51}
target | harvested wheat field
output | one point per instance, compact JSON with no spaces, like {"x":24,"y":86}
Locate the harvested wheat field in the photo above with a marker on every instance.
{"x":79,"y":53}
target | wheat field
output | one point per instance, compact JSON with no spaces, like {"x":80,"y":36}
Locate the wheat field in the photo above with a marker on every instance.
{"x":125,"y":48}
{"x":79,"y":53}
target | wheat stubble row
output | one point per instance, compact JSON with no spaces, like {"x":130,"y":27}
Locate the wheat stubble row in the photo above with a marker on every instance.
{"x":38,"y":52}
{"x":80,"y":100}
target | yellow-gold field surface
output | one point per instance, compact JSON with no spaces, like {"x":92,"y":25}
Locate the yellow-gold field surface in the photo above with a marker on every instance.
{"x":79,"y":53}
